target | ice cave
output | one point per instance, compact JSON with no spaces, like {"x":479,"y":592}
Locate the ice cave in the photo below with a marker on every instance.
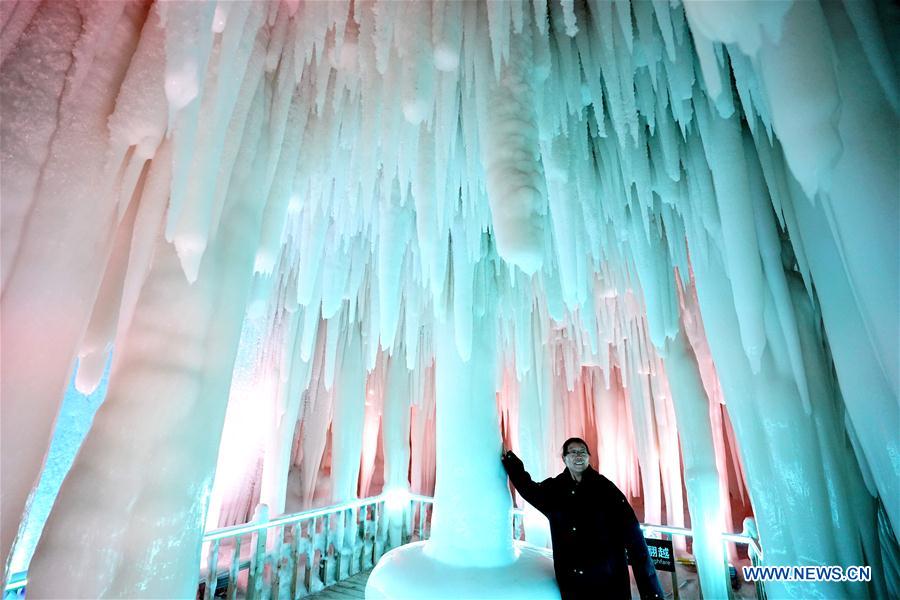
{"x":282,"y":278}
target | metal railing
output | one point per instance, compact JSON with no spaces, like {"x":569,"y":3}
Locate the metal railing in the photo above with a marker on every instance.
{"x":754,"y":551}
{"x":294,"y":556}
{"x":15,"y":586}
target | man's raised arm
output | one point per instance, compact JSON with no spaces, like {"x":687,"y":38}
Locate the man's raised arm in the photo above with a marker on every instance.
{"x":536,"y":494}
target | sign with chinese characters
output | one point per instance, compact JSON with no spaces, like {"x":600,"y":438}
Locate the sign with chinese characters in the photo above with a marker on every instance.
{"x":662,"y":555}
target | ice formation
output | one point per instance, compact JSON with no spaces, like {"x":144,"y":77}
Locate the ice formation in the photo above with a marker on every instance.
{"x":668,"y":227}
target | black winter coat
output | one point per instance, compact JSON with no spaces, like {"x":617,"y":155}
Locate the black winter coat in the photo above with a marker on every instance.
{"x":591,"y":525}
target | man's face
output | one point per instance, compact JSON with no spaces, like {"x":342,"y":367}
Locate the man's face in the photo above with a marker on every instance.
{"x":577,"y":457}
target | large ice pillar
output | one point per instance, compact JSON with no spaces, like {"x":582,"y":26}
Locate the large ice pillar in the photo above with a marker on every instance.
{"x":470,"y":549}
{"x":166,"y":404}
{"x":57,"y":228}
{"x":472,"y":522}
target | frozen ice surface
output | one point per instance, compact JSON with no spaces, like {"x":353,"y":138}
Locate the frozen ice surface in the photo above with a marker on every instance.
{"x":409,"y":573}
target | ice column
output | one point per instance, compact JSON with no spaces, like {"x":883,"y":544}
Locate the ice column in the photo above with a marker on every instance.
{"x":700,"y":475}
{"x":779,"y":444}
{"x":535,"y":417}
{"x":347,"y":422}
{"x":395,"y":435}
{"x":346,"y":435}
{"x":293,"y":375}
{"x":470,"y":551}
{"x":471,"y":524}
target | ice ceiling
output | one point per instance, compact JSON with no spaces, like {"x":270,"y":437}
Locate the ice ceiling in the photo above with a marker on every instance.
{"x":676,"y":221}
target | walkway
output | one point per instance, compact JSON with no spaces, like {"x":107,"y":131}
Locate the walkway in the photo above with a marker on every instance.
{"x":352,"y":588}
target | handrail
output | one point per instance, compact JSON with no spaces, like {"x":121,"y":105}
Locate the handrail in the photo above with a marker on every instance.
{"x":16,"y":582}
{"x":245,"y":528}
{"x":737,"y":538}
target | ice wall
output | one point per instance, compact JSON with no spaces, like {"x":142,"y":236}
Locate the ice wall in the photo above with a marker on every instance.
{"x":341,"y":170}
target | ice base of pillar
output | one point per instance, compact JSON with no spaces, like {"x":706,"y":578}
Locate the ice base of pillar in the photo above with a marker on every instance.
{"x":406,"y":573}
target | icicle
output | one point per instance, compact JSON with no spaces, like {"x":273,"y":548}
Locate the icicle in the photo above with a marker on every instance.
{"x":722,"y":144}
{"x":417,"y":84}
{"x":97,"y":342}
{"x":498,"y":16}
{"x":189,"y":41}
{"x":395,"y":225}
{"x":770,"y":250}
{"x":384,"y":11}
{"x":447,"y":34}
{"x":281,"y":190}
{"x":568,"y":8}
{"x":865,"y":19}
{"x":700,"y":473}
{"x":622,"y":8}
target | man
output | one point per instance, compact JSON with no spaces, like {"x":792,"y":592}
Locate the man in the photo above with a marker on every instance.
{"x":591,"y":525}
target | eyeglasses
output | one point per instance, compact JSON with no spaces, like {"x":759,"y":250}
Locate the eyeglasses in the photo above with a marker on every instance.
{"x":577,"y":453}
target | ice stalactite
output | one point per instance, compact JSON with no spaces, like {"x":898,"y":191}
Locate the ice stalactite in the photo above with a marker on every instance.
{"x":768,"y":415}
{"x":347,"y":423}
{"x":313,"y":426}
{"x":515,"y":181}
{"x":422,"y":415}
